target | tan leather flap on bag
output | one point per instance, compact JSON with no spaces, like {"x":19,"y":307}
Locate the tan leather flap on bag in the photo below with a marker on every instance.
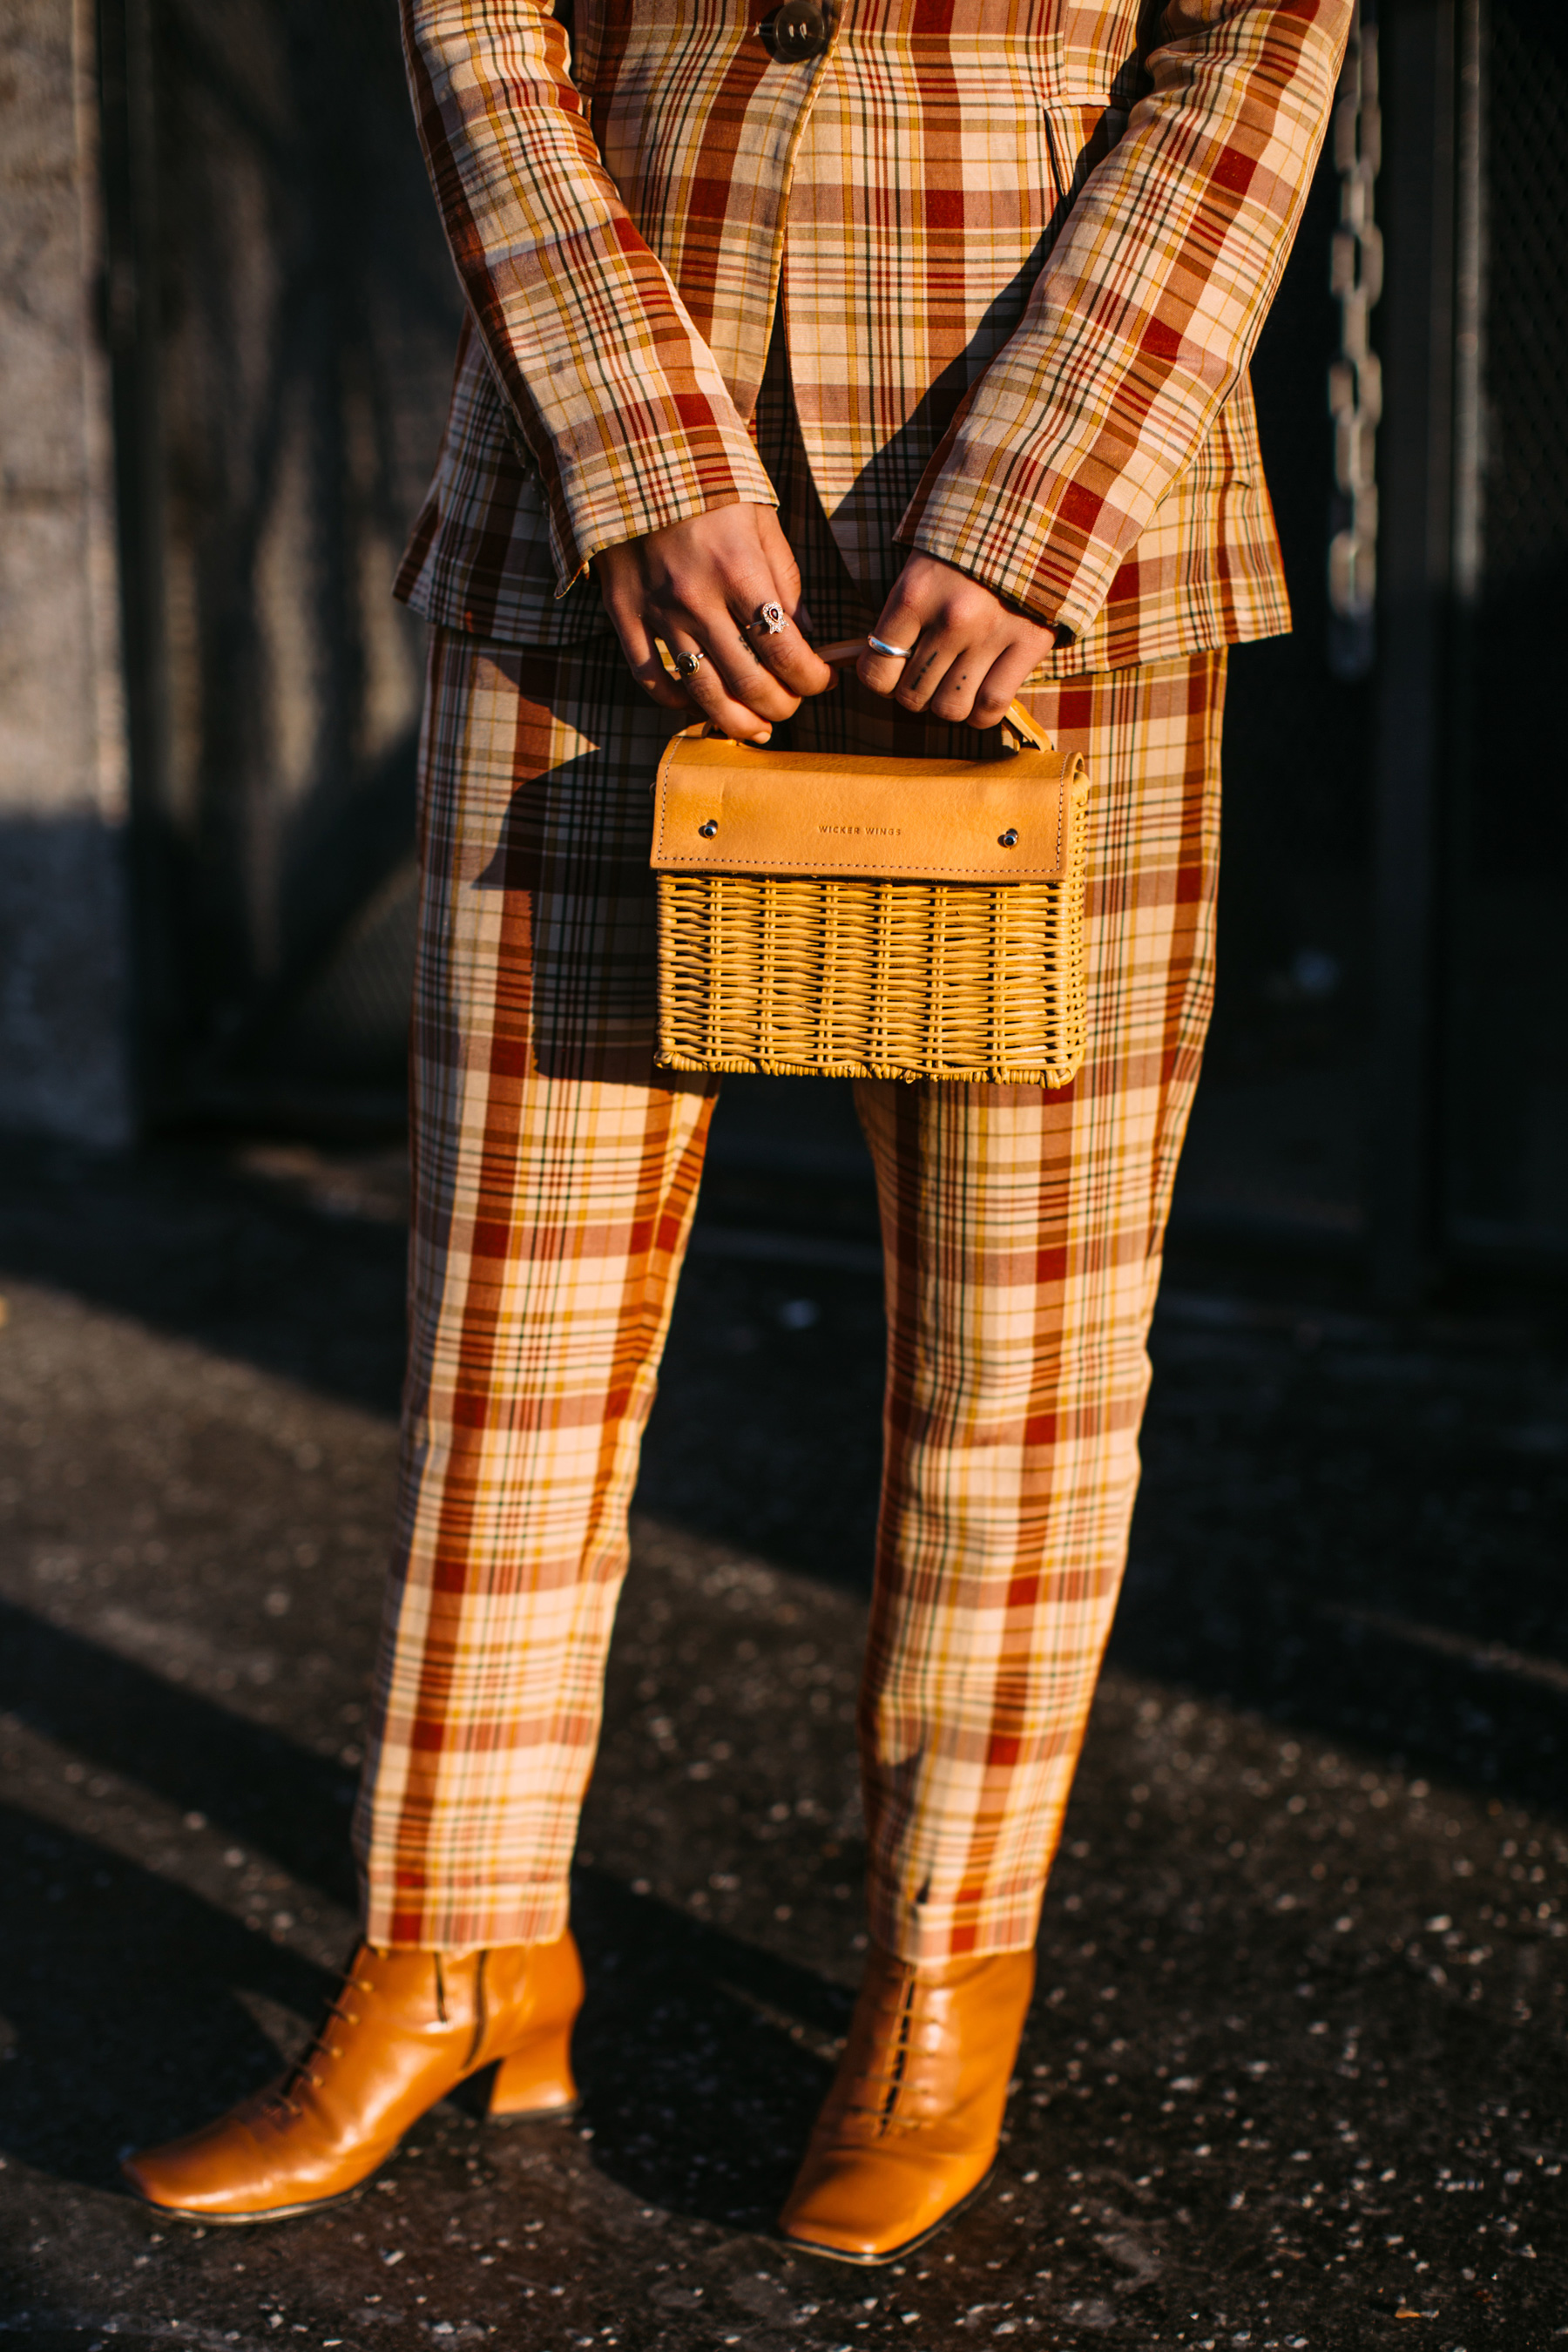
{"x":738,"y":808}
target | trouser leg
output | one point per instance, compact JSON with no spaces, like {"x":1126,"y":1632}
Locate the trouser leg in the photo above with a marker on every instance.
{"x":555,"y":1177}
{"x":1023,"y":1233}
{"x":555,"y":1186}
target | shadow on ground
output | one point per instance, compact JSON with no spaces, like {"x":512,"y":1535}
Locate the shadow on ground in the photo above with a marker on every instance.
{"x":1295,"y":2071}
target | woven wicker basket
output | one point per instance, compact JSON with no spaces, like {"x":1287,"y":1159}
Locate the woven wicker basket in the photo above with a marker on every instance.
{"x":953,"y":969}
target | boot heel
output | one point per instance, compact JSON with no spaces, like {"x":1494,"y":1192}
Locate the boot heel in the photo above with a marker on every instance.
{"x":535,"y":2081}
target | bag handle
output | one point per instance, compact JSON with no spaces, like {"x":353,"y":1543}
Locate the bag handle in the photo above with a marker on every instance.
{"x":848,"y":649}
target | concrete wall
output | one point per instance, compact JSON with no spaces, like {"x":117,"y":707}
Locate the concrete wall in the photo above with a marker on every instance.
{"x":64,"y":928}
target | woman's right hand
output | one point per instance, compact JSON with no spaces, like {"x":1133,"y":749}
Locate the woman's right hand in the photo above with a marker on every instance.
{"x":700,"y":586}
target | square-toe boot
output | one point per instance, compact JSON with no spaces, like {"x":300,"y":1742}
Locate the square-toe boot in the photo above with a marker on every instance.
{"x":405,"y":2030}
{"x":910,"y":2129}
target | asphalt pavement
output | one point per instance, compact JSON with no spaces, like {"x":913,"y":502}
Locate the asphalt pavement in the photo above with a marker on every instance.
{"x":1295,"y":2072}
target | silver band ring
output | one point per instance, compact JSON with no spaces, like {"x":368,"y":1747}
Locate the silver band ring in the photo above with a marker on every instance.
{"x":894,"y":653}
{"x":771,"y":620}
{"x":690,"y":664}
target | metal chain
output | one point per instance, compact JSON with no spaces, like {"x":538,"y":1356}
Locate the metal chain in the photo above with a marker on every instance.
{"x":1355,"y":377}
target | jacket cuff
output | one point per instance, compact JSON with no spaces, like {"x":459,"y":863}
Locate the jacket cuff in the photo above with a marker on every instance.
{"x":1050,"y":547}
{"x":648,"y":467}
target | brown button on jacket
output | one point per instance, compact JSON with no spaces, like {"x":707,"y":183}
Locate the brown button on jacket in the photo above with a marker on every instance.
{"x":1024,"y":250}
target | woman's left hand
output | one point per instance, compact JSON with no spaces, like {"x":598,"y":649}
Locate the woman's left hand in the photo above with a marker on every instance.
{"x":968,"y":653}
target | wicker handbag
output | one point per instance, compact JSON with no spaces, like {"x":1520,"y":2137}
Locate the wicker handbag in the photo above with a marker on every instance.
{"x":822,"y":915}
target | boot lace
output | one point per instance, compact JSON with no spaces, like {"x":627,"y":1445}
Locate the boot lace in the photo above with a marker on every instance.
{"x":883,"y":2065}
{"x":281,"y":2098}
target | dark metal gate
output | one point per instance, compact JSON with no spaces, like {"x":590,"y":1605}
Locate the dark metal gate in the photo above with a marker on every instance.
{"x":1390,"y":1071}
{"x":1506,"y":1104}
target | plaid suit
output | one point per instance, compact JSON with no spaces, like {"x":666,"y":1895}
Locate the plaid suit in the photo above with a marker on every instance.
{"x":1016,"y":318}
{"x":1022,"y":247}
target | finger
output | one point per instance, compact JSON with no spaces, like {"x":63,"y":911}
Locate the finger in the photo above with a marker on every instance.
{"x":913,"y":682}
{"x":733,"y":671}
{"x":644,"y":662}
{"x":1000,"y":685}
{"x":880,"y":674}
{"x":749,"y":682}
{"x":787,"y":653}
{"x":770,"y":665}
{"x":881,"y":671}
{"x":682,"y":630}
{"x":774,"y":637}
{"x":707,"y":694}
{"x":952,"y":696}
{"x":745,"y":678}
{"x":898,"y":625}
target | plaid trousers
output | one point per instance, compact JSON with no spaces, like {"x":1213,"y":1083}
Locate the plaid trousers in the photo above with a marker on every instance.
{"x":555,"y":1176}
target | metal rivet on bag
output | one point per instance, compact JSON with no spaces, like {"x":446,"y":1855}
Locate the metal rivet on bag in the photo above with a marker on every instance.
{"x":711,"y":827}
{"x":1008,"y":840}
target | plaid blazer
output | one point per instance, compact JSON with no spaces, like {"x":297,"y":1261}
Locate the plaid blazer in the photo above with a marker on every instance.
{"x":1023,"y":247}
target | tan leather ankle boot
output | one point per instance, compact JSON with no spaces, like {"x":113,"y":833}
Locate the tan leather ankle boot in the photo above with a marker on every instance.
{"x":405,"y":2029}
{"x":909,"y":2132}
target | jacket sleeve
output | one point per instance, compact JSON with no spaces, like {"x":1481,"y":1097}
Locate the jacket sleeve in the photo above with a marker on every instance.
{"x":1146,"y":313}
{"x":618,"y":399}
